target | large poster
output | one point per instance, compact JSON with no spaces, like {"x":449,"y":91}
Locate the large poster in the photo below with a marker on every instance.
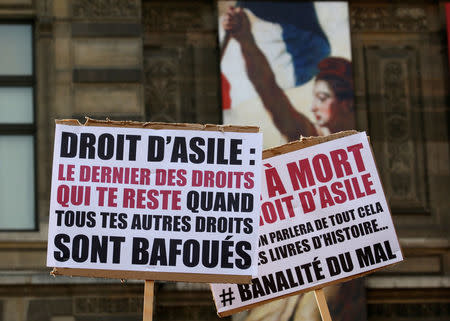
{"x":286,"y":67}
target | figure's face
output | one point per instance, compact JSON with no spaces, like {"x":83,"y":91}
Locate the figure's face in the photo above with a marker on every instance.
{"x":324,"y":105}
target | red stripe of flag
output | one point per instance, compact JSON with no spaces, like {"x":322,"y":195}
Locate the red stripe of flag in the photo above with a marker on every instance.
{"x":226,"y":87}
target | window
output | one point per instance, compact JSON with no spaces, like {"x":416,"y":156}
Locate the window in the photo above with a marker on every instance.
{"x":17,"y":128}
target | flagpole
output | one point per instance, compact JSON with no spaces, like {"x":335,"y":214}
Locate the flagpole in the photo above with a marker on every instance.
{"x":226,"y":40}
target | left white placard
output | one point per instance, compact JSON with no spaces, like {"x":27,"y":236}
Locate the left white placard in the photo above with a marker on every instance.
{"x":170,"y":201}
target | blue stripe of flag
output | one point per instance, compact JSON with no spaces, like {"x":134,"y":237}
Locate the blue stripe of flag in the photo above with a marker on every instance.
{"x":302,"y":33}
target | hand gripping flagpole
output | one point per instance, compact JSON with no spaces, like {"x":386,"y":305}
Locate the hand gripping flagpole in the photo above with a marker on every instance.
{"x":226,"y":40}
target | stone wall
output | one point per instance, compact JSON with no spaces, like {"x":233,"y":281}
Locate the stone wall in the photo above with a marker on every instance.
{"x":158,"y":61}
{"x":104,"y":302}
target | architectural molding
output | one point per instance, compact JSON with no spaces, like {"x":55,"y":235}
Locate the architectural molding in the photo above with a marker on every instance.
{"x":105,"y":9}
{"x":388,"y":18}
{"x":175,"y":17}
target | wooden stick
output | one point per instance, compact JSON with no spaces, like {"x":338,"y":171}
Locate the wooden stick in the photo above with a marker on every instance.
{"x":148,"y":300}
{"x":322,"y":303}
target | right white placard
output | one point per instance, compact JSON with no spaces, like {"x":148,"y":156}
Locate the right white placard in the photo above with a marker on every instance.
{"x":324,"y":218}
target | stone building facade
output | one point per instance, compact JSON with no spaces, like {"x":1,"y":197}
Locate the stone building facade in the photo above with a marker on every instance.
{"x":158,"y":61}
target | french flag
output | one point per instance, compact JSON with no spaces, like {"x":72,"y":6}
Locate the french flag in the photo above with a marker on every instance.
{"x":290,"y":36}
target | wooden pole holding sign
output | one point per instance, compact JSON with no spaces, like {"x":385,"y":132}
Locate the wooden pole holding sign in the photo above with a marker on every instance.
{"x":148,"y":300}
{"x":322,"y":303}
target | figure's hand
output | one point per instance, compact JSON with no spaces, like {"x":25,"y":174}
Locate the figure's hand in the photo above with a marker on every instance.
{"x":237,"y":24}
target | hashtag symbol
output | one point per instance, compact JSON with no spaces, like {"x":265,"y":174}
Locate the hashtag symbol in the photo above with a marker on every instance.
{"x":227,"y":297}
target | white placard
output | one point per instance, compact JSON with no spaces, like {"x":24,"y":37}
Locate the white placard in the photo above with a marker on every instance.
{"x":324,"y":218}
{"x":176,"y":201}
